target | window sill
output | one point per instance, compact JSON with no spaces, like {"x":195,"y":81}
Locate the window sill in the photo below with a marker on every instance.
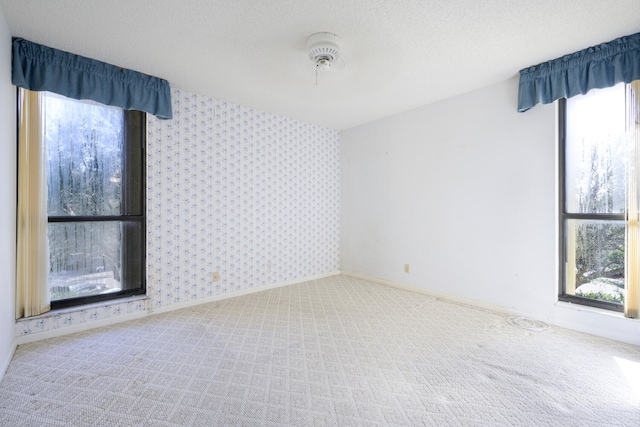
{"x":595,"y":310}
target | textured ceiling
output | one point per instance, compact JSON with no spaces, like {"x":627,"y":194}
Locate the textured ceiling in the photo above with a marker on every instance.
{"x":399,"y":54}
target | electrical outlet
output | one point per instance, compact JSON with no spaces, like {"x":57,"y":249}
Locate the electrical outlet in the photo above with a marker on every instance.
{"x":216,"y":276}
{"x":407,"y":268}
{"x":269,"y":268}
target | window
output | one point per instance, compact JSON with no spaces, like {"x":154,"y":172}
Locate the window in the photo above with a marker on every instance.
{"x":95,"y":201}
{"x":596,"y":169}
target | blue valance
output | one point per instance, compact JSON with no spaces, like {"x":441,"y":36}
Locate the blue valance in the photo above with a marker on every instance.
{"x":597,"y":67}
{"x":41,"y":68}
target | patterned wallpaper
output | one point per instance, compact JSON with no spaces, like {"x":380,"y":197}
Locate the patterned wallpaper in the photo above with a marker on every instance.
{"x":248,"y":194}
{"x":251,"y":195}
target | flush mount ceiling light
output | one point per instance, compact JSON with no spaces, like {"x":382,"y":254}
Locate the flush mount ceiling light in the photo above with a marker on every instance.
{"x":323,"y":50}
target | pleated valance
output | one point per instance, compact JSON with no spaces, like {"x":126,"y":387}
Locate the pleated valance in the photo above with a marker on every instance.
{"x":41,"y":68}
{"x":596,"y":67}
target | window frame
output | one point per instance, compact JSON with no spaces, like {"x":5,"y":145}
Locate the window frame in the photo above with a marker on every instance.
{"x":564,"y":216}
{"x":134,"y":168}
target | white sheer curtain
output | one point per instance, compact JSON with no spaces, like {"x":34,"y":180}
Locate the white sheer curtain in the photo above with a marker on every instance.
{"x":32,"y":291}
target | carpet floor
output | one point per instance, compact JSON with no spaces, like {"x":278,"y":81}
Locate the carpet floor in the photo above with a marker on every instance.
{"x":332,"y":352}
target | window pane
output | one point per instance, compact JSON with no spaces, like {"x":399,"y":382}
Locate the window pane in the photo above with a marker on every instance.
{"x":86,"y":258}
{"x":595,"y":259}
{"x":84,"y":144}
{"x":596,"y":152}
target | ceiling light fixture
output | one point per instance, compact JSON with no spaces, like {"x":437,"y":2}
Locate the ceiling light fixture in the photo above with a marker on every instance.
{"x":323,"y":50}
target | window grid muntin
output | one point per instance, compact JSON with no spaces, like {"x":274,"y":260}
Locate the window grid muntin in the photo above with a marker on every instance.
{"x":134,"y":134}
{"x":564,"y":216}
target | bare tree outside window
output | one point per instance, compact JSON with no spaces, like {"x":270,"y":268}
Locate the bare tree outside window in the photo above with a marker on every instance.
{"x":86,"y":145}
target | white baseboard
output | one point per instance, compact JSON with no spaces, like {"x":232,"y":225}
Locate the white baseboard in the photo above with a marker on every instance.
{"x":7,"y":361}
{"x":626,"y":330}
{"x":440,"y":295}
{"x":52,"y":333}
{"x":192,"y":303}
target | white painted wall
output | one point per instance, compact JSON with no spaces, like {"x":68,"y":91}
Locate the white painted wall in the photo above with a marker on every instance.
{"x":464,"y":191}
{"x":7,"y":198}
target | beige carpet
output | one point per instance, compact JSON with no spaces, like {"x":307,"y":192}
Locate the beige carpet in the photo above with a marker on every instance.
{"x":337,"y":351}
